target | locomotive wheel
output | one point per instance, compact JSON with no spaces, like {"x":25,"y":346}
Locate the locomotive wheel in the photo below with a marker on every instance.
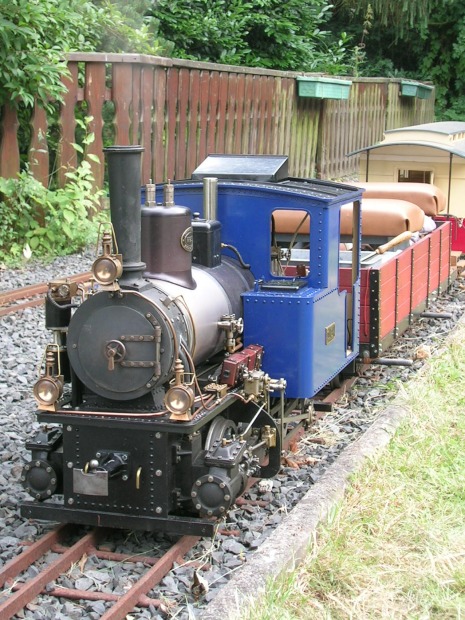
{"x":337,"y":381}
{"x":220,"y":428}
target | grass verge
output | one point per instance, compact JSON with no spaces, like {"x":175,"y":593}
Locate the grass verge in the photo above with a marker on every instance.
{"x":395,"y":547}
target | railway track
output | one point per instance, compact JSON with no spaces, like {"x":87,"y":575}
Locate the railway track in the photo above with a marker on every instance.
{"x":19,"y":589}
{"x":30,"y":296}
{"x":44,"y":568}
{"x":260,"y":511}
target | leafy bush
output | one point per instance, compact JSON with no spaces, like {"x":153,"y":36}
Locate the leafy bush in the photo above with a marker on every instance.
{"x":36,"y":34}
{"x":44,"y":223}
{"x":126,"y":27}
{"x":265,"y":33}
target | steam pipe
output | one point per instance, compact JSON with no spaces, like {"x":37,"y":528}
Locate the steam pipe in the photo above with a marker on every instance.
{"x":124,"y":176}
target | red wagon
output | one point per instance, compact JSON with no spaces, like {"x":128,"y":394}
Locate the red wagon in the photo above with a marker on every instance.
{"x":398,"y":286}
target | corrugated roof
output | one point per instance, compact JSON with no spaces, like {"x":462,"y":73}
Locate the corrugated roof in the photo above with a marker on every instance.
{"x":454,"y":130}
{"x":443,"y":127}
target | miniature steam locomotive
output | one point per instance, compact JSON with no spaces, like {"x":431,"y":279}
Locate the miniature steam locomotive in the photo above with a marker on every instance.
{"x":176,"y":371}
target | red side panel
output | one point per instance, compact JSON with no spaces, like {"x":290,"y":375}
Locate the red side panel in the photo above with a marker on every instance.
{"x":392,"y":291}
{"x":365,"y":305}
{"x":404,"y":286}
{"x":435,"y":253}
{"x":445,"y":249}
{"x":457,"y":231}
{"x":420,"y":264}
{"x":387,"y":283}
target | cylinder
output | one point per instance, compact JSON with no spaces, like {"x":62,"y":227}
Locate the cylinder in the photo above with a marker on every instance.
{"x":124,"y":176}
{"x":210,"y":198}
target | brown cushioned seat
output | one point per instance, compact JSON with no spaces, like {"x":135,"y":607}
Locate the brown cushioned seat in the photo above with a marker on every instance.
{"x":380,"y":218}
{"x":383,"y":217}
{"x":428,"y":197}
{"x":288,"y":222}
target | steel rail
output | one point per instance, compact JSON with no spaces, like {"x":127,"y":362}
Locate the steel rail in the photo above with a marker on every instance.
{"x":14,"y":603}
{"x":32,"y":553}
{"x":154,"y":575}
{"x":20,"y":594}
{"x":33,"y":294}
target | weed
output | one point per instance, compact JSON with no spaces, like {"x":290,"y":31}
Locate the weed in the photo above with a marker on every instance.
{"x":40,"y":222}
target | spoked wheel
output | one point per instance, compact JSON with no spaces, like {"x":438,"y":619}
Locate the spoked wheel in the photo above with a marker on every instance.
{"x":220,"y":428}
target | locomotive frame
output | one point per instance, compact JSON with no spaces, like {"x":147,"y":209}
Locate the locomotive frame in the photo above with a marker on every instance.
{"x":171,"y":385}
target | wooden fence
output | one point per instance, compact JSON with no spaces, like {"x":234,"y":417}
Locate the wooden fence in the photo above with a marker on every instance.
{"x":180,"y":111}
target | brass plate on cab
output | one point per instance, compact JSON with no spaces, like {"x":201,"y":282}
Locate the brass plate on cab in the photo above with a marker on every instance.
{"x":330,"y":333}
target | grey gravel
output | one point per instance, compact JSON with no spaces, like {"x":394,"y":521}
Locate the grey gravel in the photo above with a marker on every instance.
{"x":22,"y":342}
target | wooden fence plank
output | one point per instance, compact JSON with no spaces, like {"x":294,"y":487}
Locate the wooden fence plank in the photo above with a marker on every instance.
{"x":203,"y":115}
{"x":67,"y":156}
{"x":221,"y":114}
{"x":38,"y":150}
{"x":247,"y":128}
{"x":172,"y":120}
{"x":94,"y":94}
{"x":135,"y":104}
{"x":159,"y":151}
{"x":230,"y":116}
{"x":147,"y":77}
{"x":182,"y":110}
{"x":9,"y":149}
{"x":269,"y":127}
{"x":240,"y":106}
{"x":122,"y":98}
{"x":193,"y":137}
{"x":289,"y":103}
{"x":212,"y":112}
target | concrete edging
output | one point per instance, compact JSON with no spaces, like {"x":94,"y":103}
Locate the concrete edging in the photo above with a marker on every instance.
{"x":288,"y":544}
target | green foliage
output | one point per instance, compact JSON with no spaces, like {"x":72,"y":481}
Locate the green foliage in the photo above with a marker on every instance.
{"x":402,"y":14}
{"x":421,"y":40}
{"x":36,"y":34}
{"x":441,"y":57}
{"x":126,"y":27}
{"x":377,"y":51}
{"x":255,"y":34}
{"x":43,"y":222}
{"x":359,"y":54}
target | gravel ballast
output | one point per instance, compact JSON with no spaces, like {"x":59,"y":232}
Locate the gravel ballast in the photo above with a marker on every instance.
{"x":249,"y":530}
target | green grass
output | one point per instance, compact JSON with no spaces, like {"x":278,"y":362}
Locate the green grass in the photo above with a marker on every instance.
{"x":395,"y":547}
